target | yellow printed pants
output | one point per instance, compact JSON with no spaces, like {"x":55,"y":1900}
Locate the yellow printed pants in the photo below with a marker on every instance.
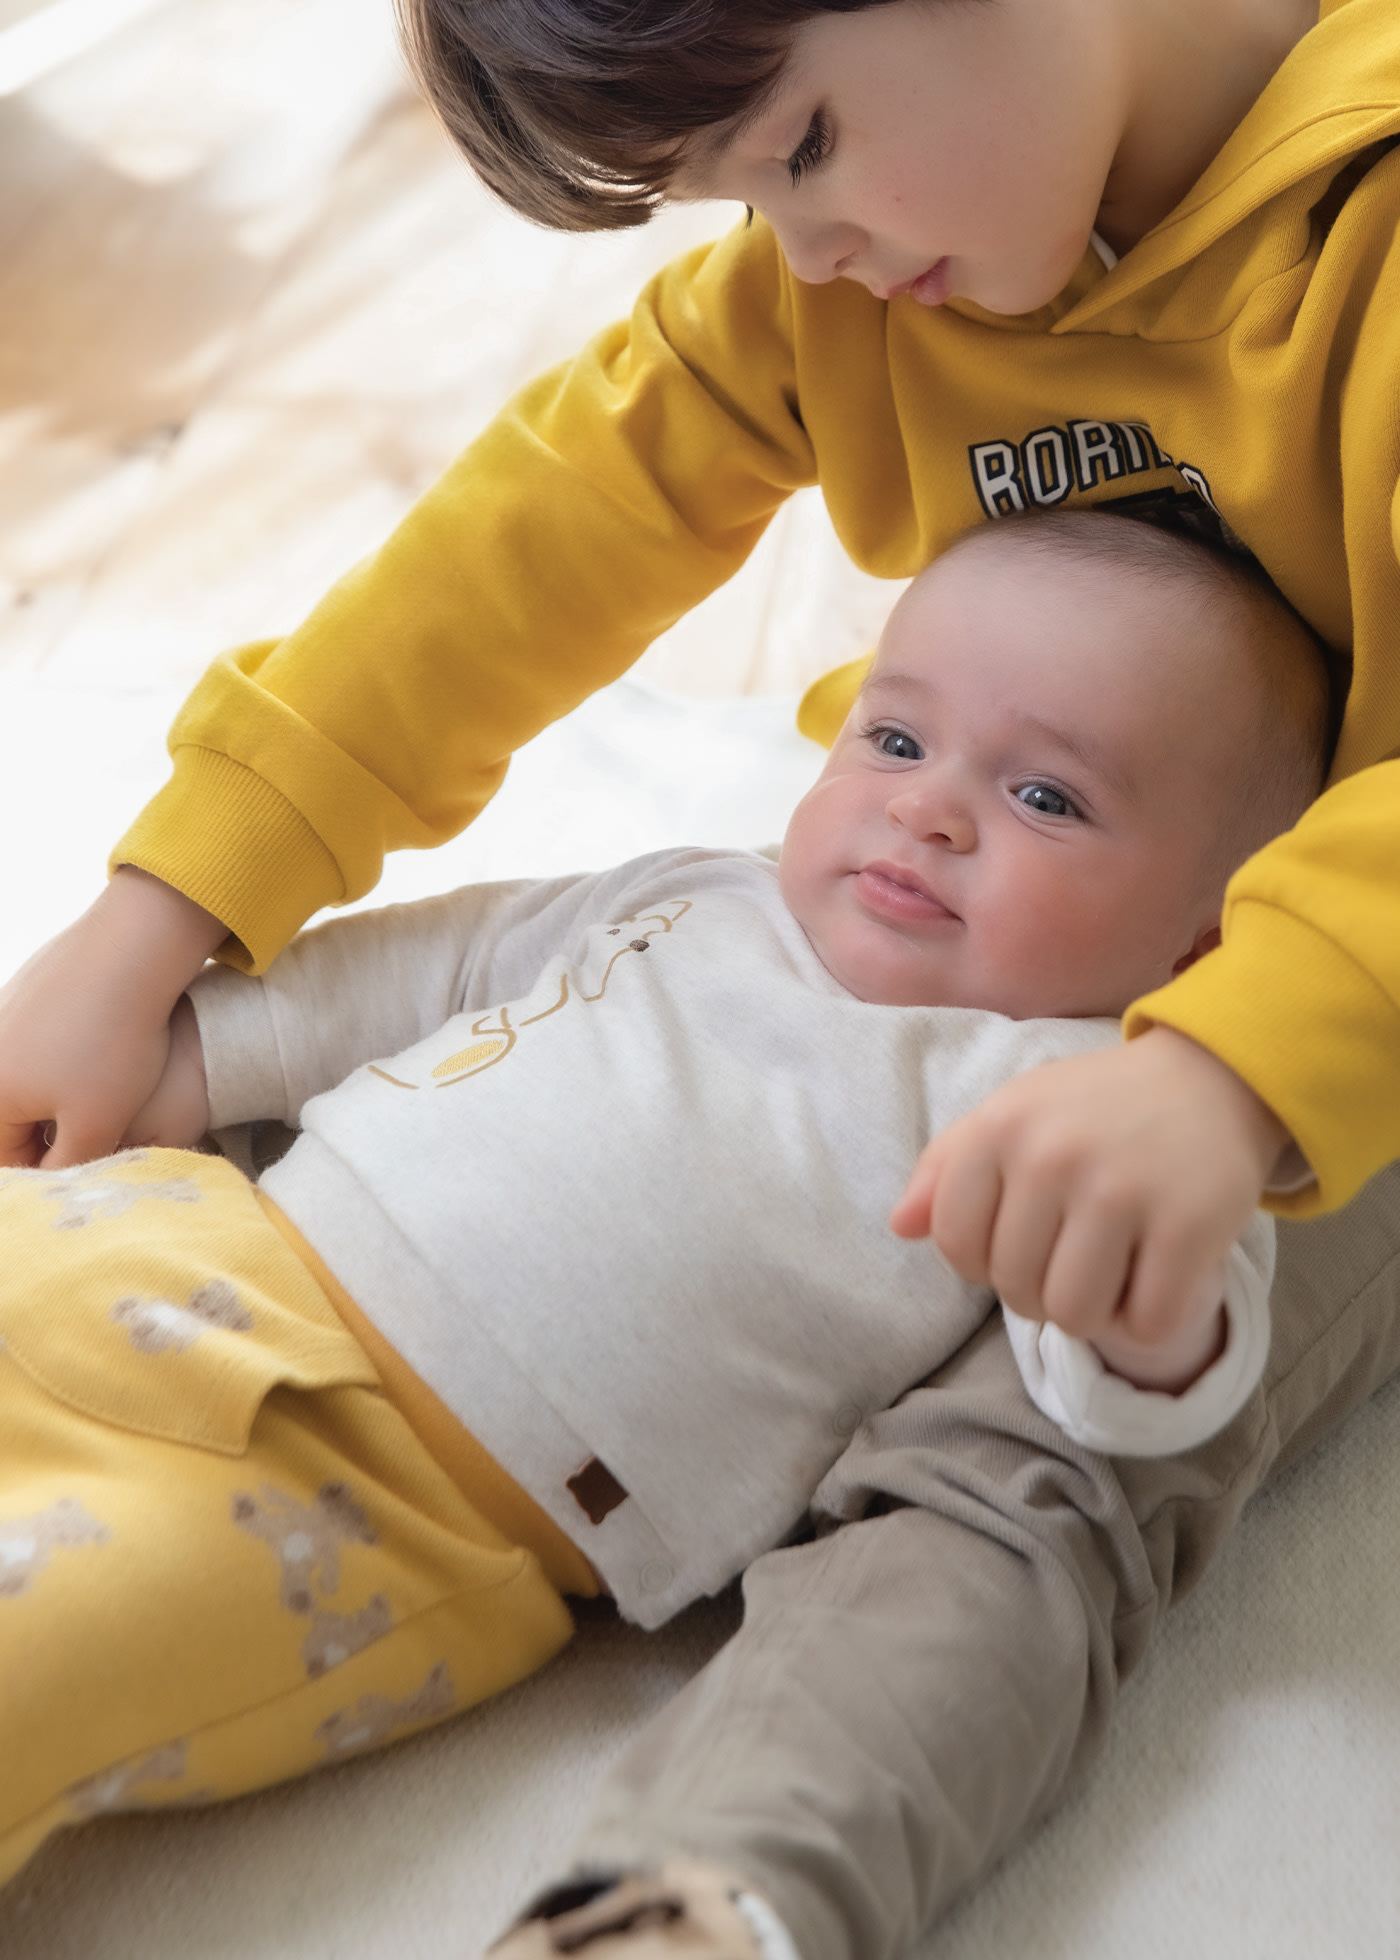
{"x":226,"y":1554}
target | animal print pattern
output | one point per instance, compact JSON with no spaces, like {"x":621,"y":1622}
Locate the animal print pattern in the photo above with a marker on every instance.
{"x":334,"y":1637}
{"x":157,"y":1326}
{"x":306,"y":1540}
{"x":119,"y":1787}
{"x":83,"y":1203}
{"x":25,"y":1543}
{"x":374,"y":1719}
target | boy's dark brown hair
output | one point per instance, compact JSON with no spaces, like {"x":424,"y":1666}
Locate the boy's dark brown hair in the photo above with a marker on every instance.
{"x":575,"y":112}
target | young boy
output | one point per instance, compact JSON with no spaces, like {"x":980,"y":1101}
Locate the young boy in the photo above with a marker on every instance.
{"x":927,"y":318}
{"x":618,"y":1247}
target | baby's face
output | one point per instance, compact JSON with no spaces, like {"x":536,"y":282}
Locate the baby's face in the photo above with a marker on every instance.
{"x":1019,"y":811}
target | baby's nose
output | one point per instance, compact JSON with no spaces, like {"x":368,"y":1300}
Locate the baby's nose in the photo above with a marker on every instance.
{"x":934,"y":814}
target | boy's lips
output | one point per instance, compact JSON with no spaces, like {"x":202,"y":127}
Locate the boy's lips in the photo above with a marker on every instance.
{"x":929,"y":288}
{"x":891,"y":891}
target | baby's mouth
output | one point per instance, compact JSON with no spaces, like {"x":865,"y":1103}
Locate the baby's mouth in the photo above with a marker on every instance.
{"x":891,"y":891}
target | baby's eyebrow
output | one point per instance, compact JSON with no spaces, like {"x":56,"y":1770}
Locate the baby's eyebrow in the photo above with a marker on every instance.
{"x":901,"y":683}
{"x":1096,"y":760}
{"x":1089,"y":756}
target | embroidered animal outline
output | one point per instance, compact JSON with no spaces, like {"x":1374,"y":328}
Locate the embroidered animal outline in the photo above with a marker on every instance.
{"x":306,"y":1541}
{"x":119,"y":1788}
{"x":87,"y":1192}
{"x":375,"y":1718}
{"x":156,"y":1326}
{"x":491,"y":1045}
{"x":26,"y":1543}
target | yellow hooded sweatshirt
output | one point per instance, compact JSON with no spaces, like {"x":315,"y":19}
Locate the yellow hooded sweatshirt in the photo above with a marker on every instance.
{"x":1244,"y":358}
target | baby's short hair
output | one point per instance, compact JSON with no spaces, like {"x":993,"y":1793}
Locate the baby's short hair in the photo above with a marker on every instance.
{"x":576,"y":112}
{"x":1285,"y":765}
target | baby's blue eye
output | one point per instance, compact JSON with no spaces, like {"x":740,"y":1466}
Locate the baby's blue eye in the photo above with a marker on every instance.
{"x":894,"y":742}
{"x":1045,"y":801}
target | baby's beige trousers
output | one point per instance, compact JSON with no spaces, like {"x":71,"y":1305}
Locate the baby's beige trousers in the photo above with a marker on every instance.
{"x":911,"y":1691}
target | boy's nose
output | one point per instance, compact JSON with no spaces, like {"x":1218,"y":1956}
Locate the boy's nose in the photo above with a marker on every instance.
{"x":816,"y":254}
{"x":934,"y":814}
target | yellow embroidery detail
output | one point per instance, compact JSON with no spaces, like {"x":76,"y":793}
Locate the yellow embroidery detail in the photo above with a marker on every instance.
{"x":496,"y":1043}
{"x":563,"y":996}
{"x":383,"y":1077}
{"x":468,"y":1058}
{"x":658,"y":921}
{"x":492,"y":1050}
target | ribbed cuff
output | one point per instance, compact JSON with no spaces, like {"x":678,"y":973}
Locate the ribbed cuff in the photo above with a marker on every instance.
{"x":227,"y":839}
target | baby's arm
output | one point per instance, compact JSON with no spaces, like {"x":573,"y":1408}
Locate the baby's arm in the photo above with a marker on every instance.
{"x":1102,"y":1193}
{"x":339,"y":995}
{"x":85,"y":1024}
{"x":177,"y":1114}
{"x":365,"y":987}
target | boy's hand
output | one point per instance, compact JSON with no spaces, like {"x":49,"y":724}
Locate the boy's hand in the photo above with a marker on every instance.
{"x":1103,"y":1192}
{"x":85,"y":1024}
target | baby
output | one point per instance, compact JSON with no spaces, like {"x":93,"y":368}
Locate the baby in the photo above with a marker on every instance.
{"x":589,"y":1289}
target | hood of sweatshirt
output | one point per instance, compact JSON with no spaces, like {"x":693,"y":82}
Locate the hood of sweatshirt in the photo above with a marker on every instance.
{"x":1335,"y":98}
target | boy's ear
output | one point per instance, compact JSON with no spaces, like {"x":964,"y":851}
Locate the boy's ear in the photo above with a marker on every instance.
{"x":1205,"y":942}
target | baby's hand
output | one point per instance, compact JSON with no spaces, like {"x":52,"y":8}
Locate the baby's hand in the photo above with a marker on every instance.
{"x":1103,"y":1193}
{"x":85,"y":1024}
{"x":177,"y":1114}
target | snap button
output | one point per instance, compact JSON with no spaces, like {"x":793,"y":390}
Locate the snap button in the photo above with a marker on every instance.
{"x":656,"y":1575}
{"x":847,"y":1420}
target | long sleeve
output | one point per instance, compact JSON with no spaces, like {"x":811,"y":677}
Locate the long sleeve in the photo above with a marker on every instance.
{"x":1066,"y":1379}
{"x":1302,"y":999}
{"x":603,"y":502}
{"x":357,"y":988}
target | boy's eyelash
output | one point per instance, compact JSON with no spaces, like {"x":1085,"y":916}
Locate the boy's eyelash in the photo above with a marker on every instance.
{"x":812,"y":150}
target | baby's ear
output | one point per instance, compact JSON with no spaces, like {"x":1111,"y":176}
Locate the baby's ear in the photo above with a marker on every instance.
{"x":1205,"y":942}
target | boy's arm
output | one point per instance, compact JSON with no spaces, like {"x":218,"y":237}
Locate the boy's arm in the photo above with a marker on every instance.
{"x":603,"y":502}
{"x":1301,"y":1001}
{"x":607,"y":499}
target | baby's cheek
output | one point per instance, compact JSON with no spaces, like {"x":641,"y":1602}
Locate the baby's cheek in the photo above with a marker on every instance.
{"x":1047,"y":925}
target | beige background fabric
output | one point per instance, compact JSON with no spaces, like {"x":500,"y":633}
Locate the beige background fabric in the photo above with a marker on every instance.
{"x":249,"y":305}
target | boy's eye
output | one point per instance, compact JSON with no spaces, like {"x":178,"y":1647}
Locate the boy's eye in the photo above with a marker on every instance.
{"x":894,"y":742}
{"x":812,"y":150}
{"x":1045,"y":800}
